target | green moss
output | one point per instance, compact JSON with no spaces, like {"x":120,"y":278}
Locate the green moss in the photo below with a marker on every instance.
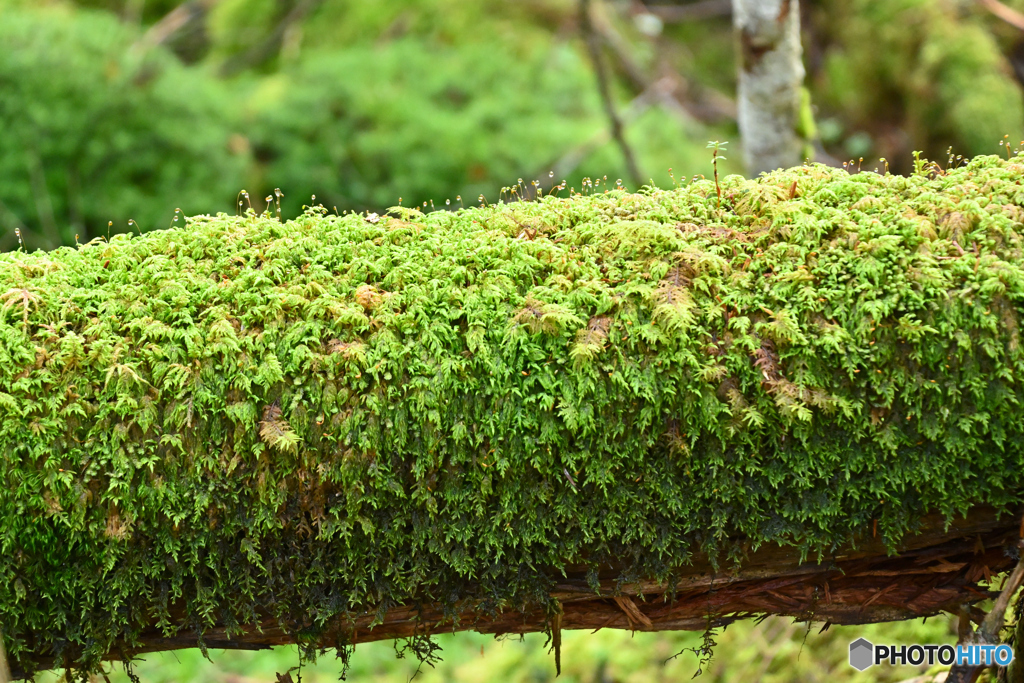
{"x":335,"y":414}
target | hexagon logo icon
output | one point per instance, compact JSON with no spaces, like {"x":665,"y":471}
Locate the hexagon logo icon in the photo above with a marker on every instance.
{"x":862,"y":654}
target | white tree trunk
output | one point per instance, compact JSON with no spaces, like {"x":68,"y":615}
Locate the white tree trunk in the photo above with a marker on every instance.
{"x":771,"y":73}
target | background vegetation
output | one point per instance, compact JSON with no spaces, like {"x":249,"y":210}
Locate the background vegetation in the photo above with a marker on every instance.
{"x":774,"y":651}
{"x":152,"y":105}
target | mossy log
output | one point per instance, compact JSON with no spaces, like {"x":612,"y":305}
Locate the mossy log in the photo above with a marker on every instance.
{"x":648,"y":411}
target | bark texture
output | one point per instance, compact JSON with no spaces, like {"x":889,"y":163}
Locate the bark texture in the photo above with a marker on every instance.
{"x":771,"y":72}
{"x":937,"y":569}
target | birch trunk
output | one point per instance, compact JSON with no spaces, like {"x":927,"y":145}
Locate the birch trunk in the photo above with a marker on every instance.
{"x":771,"y":73}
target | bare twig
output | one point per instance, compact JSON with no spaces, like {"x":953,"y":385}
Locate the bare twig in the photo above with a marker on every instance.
{"x":703,"y":104}
{"x":266,"y":48}
{"x":620,"y":49}
{"x":994,"y":621}
{"x":604,"y":87}
{"x":633,"y":613}
{"x":1007,"y":14}
{"x":988,"y":632}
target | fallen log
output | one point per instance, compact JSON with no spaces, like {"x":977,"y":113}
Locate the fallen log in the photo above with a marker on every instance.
{"x":649,"y":410}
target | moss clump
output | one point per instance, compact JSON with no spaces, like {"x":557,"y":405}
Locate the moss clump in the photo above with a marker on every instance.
{"x":244,"y":417}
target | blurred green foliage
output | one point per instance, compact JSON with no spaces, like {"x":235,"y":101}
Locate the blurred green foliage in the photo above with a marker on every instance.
{"x":363,"y":103}
{"x":920,"y":71}
{"x":425,"y":101}
{"x":774,"y":651}
{"x":350,"y":123}
{"x":94,"y":133}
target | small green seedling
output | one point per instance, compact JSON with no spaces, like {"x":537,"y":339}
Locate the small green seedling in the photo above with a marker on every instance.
{"x":717,"y":148}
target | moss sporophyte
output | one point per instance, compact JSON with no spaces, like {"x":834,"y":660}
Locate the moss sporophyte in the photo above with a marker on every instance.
{"x":241,"y":419}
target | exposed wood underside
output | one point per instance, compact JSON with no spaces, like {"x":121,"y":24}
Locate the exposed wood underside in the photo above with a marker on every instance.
{"x":936,"y":570}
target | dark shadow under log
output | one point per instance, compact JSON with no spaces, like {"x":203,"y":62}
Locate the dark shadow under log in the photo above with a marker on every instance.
{"x":938,"y":569}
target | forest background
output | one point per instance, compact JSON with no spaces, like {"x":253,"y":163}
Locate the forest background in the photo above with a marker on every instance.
{"x":123,"y":115}
{"x":125,"y":110}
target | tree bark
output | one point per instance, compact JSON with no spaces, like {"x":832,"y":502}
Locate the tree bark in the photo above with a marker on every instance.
{"x":771,"y":72}
{"x":937,"y":569}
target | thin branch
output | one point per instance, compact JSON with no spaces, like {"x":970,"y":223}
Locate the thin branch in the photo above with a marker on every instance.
{"x":620,"y":49}
{"x":173,"y":22}
{"x":988,"y":632}
{"x":1007,"y":14}
{"x":708,"y":106}
{"x":273,"y":42}
{"x":574,"y":157}
{"x":996,"y":618}
{"x":705,"y":9}
{"x":594,"y":47}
